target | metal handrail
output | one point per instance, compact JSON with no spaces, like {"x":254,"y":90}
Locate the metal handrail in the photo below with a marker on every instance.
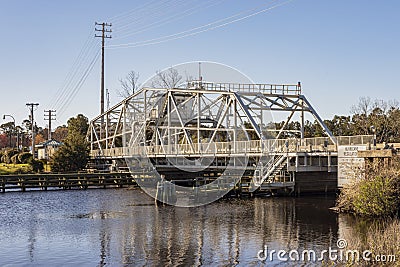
{"x":315,"y":144}
{"x":285,"y":89}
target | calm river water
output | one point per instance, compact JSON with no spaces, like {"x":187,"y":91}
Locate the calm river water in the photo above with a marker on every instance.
{"x":117,"y":227}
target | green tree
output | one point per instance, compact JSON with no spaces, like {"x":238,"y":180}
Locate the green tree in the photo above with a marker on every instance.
{"x":9,"y":129}
{"x":340,"y":125}
{"x":73,"y":154}
{"x":60,"y":133}
{"x":36,"y":165}
{"x":394,"y":125}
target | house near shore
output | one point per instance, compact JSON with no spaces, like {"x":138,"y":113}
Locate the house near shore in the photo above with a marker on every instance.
{"x":47,"y":148}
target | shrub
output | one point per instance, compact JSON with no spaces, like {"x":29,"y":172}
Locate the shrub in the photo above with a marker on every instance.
{"x":376,"y":197}
{"x":378,"y":194}
{"x":24,"y":157}
{"x":36,"y":165}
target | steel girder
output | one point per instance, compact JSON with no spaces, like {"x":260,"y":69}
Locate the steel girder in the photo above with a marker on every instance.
{"x":196,"y":115}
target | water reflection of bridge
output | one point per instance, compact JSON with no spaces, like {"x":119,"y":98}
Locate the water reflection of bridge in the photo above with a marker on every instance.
{"x":199,"y":130}
{"x":225,"y":233}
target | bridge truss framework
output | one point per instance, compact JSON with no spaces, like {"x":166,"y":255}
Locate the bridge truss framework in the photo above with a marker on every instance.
{"x":202,"y":126}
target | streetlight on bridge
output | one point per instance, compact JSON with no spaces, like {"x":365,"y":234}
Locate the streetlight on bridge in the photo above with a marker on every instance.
{"x":15,"y":129}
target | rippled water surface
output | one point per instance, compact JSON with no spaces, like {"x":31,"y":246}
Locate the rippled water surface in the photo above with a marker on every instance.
{"x":124,"y":227}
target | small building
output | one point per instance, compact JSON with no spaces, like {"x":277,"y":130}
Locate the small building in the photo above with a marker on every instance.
{"x":46,"y":149}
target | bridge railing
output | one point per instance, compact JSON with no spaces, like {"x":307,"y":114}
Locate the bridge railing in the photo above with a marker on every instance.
{"x":316,"y":144}
{"x":355,"y":140}
{"x":280,"y":89}
{"x":299,"y":145}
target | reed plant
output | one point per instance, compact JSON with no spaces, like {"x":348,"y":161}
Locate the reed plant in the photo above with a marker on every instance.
{"x":380,"y":237}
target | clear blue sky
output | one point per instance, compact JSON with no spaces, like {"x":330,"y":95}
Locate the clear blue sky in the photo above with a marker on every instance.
{"x":339,"y":50}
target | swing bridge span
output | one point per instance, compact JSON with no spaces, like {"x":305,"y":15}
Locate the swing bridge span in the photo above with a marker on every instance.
{"x":193,"y":132}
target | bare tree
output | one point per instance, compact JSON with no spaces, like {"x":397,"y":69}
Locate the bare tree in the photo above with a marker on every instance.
{"x":129,"y":84}
{"x":381,"y":118}
{"x":364,"y":106}
{"x":376,"y":117}
{"x":393,"y":104}
{"x":360,"y":115}
{"x":188,"y":77}
{"x":167,"y":79}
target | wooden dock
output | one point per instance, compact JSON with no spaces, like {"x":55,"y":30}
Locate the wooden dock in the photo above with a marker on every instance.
{"x":64,"y":181}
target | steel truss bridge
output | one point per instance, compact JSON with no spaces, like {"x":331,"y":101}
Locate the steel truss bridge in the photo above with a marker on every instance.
{"x":199,"y":130}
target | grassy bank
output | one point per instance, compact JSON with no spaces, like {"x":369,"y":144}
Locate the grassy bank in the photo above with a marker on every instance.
{"x":6,"y":169}
{"x":377,"y":194}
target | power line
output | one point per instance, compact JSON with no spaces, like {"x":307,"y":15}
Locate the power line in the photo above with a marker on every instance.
{"x":143,"y":17}
{"x":79,"y":84}
{"x":196,"y":28}
{"x":173,"y":17}
{"x":122,"y":16}
{"x":72,"y":80}
{"x":85,"y":61}
{"x":190,"y":32}
{"x":78,"y":66}
{"x":60,"y":91}
{"x":193,"y":31}
{"x":78,"y":75}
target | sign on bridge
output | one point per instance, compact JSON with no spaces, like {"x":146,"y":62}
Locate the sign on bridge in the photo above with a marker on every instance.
{"x":349,"y":164}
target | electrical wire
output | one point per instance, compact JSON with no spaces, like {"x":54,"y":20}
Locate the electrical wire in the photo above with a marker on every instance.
{"x":79,"y":84}
{"x":196,"y":30}
{"x":120,"y":17}
{"x":174,"y":17}
{"x":149,"y":14}
{"x":215,"y":22}
{"x":75,"y":70}
{"x":81,"y":67}
{"x":69,"y":74}
{"x":86,"y":59}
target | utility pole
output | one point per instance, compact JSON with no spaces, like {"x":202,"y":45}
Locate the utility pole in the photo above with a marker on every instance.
{"x":104,"y":30}
{"x":32,"y":106}
{"x":108,"y":98}
{"x":50,"y":116}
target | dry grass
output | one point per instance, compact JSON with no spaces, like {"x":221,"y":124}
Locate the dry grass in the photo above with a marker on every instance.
{"x":385,"y":238}
{"x":381,"y":237}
